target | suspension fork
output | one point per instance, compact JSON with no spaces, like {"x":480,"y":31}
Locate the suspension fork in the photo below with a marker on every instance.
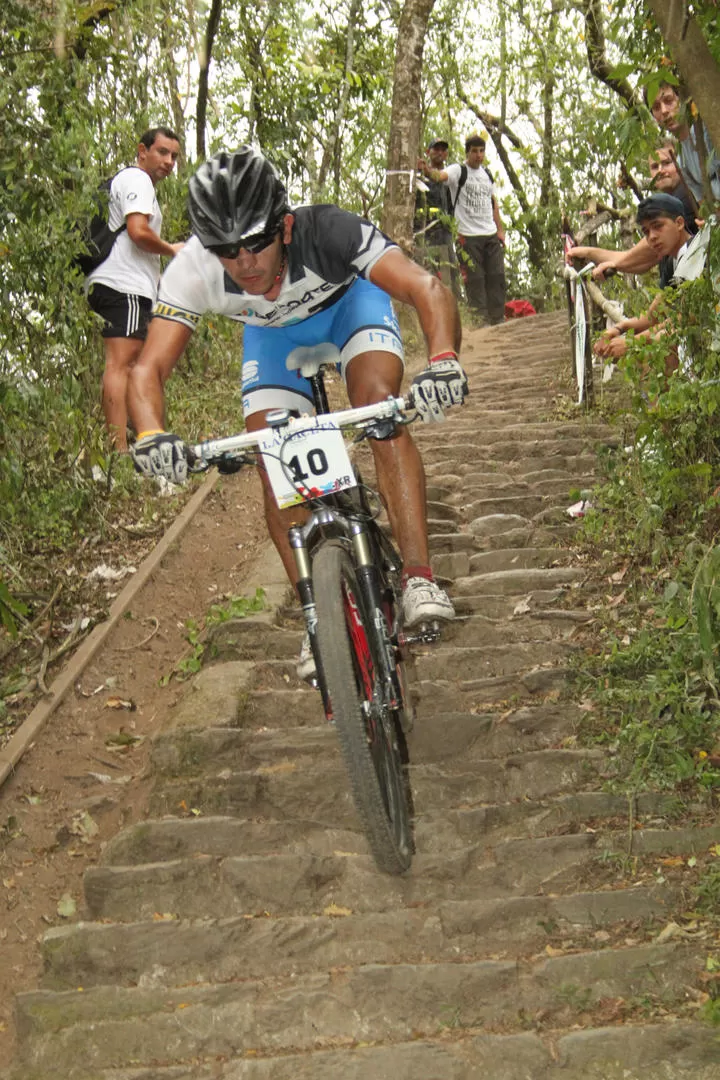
{"x":371,"y":586}
{"x":306,"y":594}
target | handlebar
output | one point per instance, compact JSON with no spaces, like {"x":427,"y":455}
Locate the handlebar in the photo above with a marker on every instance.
{"x":204,"y":454}
{"x":571,"y":273}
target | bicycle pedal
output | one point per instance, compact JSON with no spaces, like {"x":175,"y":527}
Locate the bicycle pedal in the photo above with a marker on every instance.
{"x":422,"y":634}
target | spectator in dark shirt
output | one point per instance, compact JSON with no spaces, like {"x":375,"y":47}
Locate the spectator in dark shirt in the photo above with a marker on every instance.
{"x":433,"y":217}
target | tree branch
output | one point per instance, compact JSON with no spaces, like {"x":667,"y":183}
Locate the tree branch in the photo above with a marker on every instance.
{"x":595,"y":46}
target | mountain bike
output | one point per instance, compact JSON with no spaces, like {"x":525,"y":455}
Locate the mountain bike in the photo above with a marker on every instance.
{"x":349,"y":585}
{"x":579,"y":314}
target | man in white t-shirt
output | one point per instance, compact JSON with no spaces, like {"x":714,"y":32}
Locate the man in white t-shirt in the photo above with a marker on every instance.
{"x":481,"y":233}
{"x":123,"y":288}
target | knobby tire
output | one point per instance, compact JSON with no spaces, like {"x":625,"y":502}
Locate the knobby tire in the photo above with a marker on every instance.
{"x":370,"y":745}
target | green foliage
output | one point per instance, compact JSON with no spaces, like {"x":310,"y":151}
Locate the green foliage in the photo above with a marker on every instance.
{"x":237,"y":607}
{"x":10,"y":609}
{"x":658,"y":677}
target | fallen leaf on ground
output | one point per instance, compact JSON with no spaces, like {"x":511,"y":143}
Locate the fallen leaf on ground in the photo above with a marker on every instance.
{"x":66,"y":906}
{"x":121,"y":703}
{"x":84,"y":826}
{"x":333,"y":909}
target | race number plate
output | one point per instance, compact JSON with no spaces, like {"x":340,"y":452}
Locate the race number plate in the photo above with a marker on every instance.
{"x":314,"y":459}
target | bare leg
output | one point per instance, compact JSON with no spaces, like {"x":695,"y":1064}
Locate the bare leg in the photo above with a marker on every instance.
{"x":371,"y":377}
{"x":120,"y":356}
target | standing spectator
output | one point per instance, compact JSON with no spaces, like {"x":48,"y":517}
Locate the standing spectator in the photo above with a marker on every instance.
{"x":674,"y":115}
{"x":481,"y":233}
{"x":433,"y":217}
{"x":123,"y":289}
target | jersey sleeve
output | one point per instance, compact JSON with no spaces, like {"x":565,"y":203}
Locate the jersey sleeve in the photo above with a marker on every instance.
{"x":183,"y":293}
{"x":133,"y":189}
{"x":341,"y":243}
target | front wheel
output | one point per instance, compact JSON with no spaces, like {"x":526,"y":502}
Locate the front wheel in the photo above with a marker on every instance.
{"x":580,"y":343}
{"x":368,"y":730}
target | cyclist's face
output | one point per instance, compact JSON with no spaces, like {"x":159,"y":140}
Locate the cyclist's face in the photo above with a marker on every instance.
{"x":665,"y":235}
{"x":666,"y":108}
{"x":663,"y":171}
{"x":258,"y":274}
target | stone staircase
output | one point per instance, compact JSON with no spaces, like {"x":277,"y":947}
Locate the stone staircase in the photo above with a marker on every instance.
{"x":243,"y":933}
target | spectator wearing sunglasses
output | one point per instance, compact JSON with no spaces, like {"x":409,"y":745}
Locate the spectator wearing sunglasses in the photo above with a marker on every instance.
{"x":311,"y":276}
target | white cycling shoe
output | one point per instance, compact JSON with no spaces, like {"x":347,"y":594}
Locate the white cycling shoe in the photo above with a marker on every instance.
{"x":424,"y":601}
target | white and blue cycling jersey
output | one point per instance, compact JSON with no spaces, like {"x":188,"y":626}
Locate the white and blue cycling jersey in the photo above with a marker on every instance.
{"x":325,"y":297}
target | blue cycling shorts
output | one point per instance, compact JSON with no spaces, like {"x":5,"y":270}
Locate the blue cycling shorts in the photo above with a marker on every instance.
{"x":361,"y":321}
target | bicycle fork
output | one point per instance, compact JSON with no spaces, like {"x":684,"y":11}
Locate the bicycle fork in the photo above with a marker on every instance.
{"x":376,"y":625}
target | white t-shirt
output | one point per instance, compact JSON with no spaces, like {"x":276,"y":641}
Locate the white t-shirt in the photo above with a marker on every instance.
{"x":474,"y":209}
{"x":128,"y":268}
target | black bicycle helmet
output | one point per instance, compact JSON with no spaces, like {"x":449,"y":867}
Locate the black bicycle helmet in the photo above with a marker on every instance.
{"x":235,"y":196}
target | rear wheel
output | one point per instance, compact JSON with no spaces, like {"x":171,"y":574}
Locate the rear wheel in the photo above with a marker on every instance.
{"x":368,"y":730}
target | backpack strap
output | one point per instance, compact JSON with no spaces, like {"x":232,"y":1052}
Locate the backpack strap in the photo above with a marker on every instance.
{"x":462,"y":181}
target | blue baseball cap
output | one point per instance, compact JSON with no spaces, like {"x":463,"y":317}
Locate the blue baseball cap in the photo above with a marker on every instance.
{"x":660,"y":205}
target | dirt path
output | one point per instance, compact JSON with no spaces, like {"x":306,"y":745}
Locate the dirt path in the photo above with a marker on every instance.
{"x":78,"y":765}
{"x":240,"y":930}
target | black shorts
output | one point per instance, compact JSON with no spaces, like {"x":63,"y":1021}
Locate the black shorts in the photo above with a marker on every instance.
{"x":126,"y":315}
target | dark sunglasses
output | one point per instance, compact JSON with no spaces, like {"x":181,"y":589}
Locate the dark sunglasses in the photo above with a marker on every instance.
{"x":253,"y":244}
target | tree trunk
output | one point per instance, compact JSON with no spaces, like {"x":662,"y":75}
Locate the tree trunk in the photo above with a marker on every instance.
{"x":332,"y":153}
{"x":405,"y":122}
{"x":203,"y":79}
{"x":694,"y":60}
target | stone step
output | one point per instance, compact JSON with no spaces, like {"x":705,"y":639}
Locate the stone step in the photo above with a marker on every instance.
{"x":559,"y":535}
{"x":579,"y":464}
{"x":516,"y":582}
{"x":111,"y":1027}
{"x":171,"y":839}
{"x":498,"y":606}
{"x":301,"y":882}
{"x":471,"y":453}
{"x":176,"y":952}
{"x":502,"y":692}
{"x":454,"y":662}
{"x":524,"y":558}
{"x":212,"y":748}
{"x":441,"y":542}
{"x":558,"y":490}
{"x":525,"y":506}
{"x":464,"y":424}
{"x":680,"y":1051}
{"x":322,"y":792}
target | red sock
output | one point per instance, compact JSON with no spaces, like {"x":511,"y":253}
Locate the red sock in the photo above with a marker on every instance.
{"x":416,"y":571}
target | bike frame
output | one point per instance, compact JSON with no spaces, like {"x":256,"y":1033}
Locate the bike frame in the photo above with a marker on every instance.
{"x":335,"y":516}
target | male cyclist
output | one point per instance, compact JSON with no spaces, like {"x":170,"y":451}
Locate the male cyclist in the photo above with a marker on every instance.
{"x":296,"y":278}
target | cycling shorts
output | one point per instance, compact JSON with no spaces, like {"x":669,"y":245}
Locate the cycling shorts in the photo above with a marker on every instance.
{"x":361,"y":321}
{"x":126,"y":315}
